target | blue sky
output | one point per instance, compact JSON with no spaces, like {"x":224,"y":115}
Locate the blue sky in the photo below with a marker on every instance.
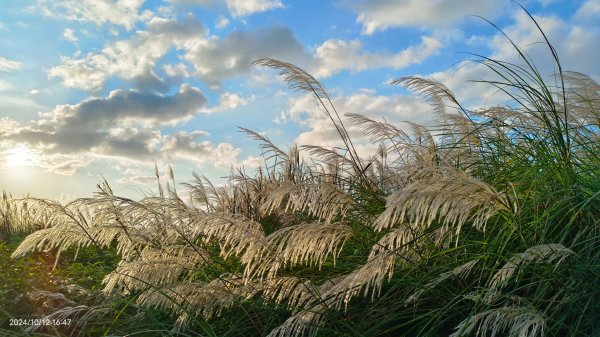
{"x":109,"y":88}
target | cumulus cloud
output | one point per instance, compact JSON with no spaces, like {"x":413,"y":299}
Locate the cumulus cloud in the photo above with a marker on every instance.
{"x":249,"y":7}
{"x":184,"y":145}
{"x":7,"y":126}
{"x":92,"y":124}
{"x":69,"y":35}
{"x":230,"y":101}
{"x":66,"y":165}
{"x":395,"y":109}
{"x":222,"y":23}
{"x":122,"y":126}
{"x":378,"y":15}
{"x":334,"y":56}
{"x":590,"y":10}
{"x":123,"y":13}
{"x":132,"y":59}
{"x":5,"y":86}
{"x":574,"y":42}
{"x":176,"y":70}
{"x":9,"y":65}
{"x":217,"y":58}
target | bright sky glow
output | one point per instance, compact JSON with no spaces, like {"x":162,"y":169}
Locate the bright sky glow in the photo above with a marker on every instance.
{"x":18,"y":157}
{"x":108,"y":88}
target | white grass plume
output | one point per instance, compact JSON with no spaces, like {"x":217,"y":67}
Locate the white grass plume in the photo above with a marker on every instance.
{"x":506,"y":321}
{"x":293,"y":291}
{"x":189,"y":299}
{"x":444,"y":194}
{"x":366,"y":279}
{"x":396,"y":240}
{"x":458,"y":272}
{"x":548,"y":253}
{"x":155,"y":267}
{"x":233,"y":232}
{"x":303,"y":323}
{"x":308,"y":243}
{"x":325,"y":201}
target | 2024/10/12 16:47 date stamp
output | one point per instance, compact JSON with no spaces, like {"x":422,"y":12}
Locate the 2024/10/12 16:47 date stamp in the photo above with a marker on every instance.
{"x":38,"y":322}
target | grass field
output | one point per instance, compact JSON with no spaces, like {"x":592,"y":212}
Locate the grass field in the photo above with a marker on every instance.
{"x":486,"y":224}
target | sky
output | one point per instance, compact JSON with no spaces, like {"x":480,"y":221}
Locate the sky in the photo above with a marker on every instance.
{"x":107,"y":89}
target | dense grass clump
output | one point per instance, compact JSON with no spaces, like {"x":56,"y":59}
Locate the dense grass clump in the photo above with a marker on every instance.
{"x":484,"y":225}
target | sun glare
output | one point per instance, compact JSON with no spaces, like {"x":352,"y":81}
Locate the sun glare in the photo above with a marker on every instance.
{"x":19,"y":157}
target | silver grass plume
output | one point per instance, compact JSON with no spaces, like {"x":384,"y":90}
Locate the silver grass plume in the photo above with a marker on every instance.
{"x":366,"y":279}
{"x":433,"y":91}
{"x":458,"y":272}
{"x":300,"y":80}
{"x":155,"y":267}
{"x":506,"y":321}
{"x":308,"y":243}
{"x":419,"y":147}
{"x":325,"y":200}
{"x":444,"y":194}
{"x":190,"y":299}
{"x":396,"y":240}
{"x":583,"y":94}
{"x":548,"y":253}
{"x":303,"y":323}
{"x":337,"y":293}
{"x":293,"y":291}
{"x":233,"y":232}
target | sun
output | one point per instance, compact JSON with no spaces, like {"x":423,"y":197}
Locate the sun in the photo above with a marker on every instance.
{"x":19,"y":157}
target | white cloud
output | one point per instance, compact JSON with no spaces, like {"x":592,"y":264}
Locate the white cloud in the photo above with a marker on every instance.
{"x":573,"y":40}
{"x":230,"y":101}
{"x":334,"y":56}
{"x":590,"y":10}
{"x":9,"y":65}
{"x":376,"y":15}
{"x":395,"y":109}
{"x":192,"y":2}
{"x":116,"y":12}
{"x":69,"y":35}
{"x":132,"y":59}
{"x":66,"y":165}
{"x":184,"y":145}
{"x":7,"y":126}
{"x":5,"y":86}
{"x":222,"y":22}
{"x":90,"y":126}
{"x":176,"y":70}
{"x":216,"y":59}
{"x":122,"y":127}
{"x":249,"y":7}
